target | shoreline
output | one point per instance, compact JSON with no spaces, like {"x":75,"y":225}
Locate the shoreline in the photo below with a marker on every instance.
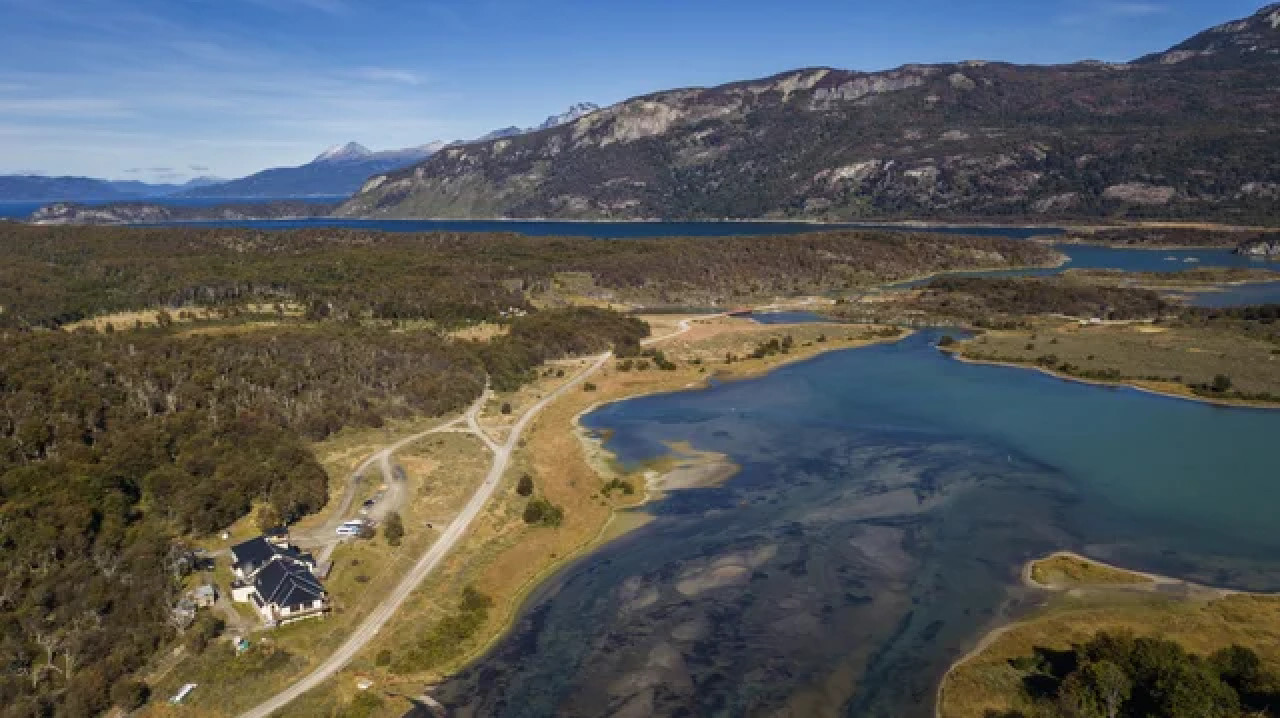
{"x":1155,"y":582}
{"x":607,"y":532}
{"x":1117,"y":384}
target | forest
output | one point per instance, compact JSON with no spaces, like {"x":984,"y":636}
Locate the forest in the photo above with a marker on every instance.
{"x":1156,"y":237}
{"x":979,"y":299}
{"x":57,"y":275}
{"x":1119,"y":675}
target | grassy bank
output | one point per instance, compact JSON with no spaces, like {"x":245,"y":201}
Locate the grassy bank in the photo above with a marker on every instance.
{"x":1100,"y":598}
{"x":1179,"y":361}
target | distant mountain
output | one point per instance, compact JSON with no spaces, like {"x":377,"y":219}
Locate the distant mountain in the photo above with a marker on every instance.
{"x":338,"y":171}
{"x":38,"y":188}
{"x":1189,"y":132}
{"x":581,"y":109}
{"x":574,"y":112}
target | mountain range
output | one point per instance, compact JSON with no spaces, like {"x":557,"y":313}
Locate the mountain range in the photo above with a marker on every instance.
{"x":337,"y":172}
{"x":39,"y":188}
{"x":1187,"y":132}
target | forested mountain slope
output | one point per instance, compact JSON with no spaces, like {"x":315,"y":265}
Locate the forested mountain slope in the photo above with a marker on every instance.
{"x":1185,"y":133}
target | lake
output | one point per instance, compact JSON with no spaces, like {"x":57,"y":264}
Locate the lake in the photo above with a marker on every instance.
{"x":886,"y":501}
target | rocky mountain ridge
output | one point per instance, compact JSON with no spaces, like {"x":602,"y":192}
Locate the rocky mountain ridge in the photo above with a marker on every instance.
{"x":1168,"y":135}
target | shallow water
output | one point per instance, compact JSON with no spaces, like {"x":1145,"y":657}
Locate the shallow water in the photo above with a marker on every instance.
{"x":887,"y":498}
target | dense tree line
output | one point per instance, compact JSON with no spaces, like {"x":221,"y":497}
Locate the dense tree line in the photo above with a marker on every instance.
{"x":1150,"y":237}
{"x":1259,"y":322}
{"x":981,"y":298}
{"x":1117,"y":675}
{"x":56,"y":275}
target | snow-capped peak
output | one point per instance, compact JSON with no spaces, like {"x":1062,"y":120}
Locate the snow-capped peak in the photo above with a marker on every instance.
{"x":342,"y":153}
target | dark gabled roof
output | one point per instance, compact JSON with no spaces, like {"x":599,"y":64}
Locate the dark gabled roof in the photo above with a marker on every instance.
{"x":258,"y":552}
{"x":288,"y":584}
{"x":292,"y":552}
{"x":252,"y":553}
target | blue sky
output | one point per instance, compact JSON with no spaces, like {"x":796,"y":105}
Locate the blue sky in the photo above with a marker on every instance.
{"x":170,"y":89}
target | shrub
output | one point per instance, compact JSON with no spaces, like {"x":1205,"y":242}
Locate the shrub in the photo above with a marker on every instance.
{"x":130,"y":695}
{"x":393,"y":528}
{"x":524,"y":486}
{"x":506,"y":407}
{"x":541,"y":512}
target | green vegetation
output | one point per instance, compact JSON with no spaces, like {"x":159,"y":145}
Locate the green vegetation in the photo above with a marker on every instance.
{"x":1116,"y":675}
{"x":1157,"y":237}
{"x":56,"y":275}
{"x":539,"y":511}
{"x":626,"y":487}
{"x":393,"y":528}
{"x":773,"y":346}
{"x":524,"y":486}
{"x":983,"y":300}
{"x":448,"y":638}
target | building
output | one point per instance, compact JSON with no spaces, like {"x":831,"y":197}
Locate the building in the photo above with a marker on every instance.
{"x":204,"y":596}
{"x":278,"y":580}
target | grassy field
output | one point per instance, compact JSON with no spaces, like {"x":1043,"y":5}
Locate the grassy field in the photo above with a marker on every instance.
{"x":1202,"y":619}
{"x":1156,"y":357}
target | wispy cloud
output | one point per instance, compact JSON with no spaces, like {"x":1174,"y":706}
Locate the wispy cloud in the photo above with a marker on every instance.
{"x":1105,"y":12}
{"x":387,"y":74}
{"x":153,"y":94}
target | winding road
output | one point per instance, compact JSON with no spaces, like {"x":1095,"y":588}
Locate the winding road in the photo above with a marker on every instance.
{"x":379,"y":616}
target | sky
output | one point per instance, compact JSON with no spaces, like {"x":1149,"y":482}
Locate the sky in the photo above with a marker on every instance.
{"x":166,"y":90}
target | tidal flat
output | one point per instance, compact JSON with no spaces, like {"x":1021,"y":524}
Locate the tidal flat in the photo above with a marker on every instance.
{"x":887,"y":500}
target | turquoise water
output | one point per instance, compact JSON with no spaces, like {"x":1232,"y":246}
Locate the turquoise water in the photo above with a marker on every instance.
{"x":788,"y":317}
{"x":1150,"y":260}
{"x":887,"y":498}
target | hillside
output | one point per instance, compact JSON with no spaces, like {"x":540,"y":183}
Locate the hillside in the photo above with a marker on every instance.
{"x":1183,"y":133}
{"x":338,"y":171}
{"x":39,"y":188}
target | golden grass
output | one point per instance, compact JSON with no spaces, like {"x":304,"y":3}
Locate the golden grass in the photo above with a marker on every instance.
{"x":482,"y":332}
{"x":1069,"y":570}
{"x":1177,"y":355}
